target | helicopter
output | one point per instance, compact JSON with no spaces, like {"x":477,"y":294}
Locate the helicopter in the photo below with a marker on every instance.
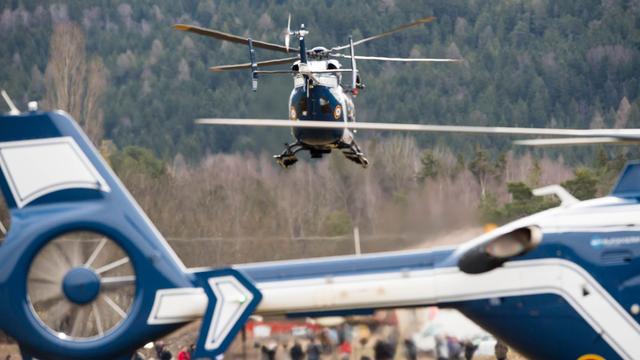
{"x":319,"y":93}
{"x":84,"y":273}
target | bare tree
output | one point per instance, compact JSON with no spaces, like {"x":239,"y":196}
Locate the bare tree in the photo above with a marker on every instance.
{"x":93,"y":117}
{"x":73,"y":85}
{"x":65,"y":73}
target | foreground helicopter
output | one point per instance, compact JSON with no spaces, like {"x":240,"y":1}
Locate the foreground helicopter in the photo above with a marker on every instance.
{"x":85,"y":274}
{"x":318,"y":92}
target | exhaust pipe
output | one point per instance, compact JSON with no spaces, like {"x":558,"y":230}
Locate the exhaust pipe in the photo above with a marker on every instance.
{"x":493,"y":253}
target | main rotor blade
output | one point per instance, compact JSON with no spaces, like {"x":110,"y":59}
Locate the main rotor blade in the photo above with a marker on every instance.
{"x":574,"y":141}
{"x":618,"y":134}
{"x":331,"y":71}
{"x":233,"y":38}
{"x":425,"y":20}
{"x":383,"y":58}
{"x":259,"y":63}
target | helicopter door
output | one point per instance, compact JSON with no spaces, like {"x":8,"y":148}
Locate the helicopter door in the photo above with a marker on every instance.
{"x":351,"y":110}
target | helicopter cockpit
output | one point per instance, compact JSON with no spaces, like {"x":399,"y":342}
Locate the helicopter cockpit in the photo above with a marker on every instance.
{"x":327,"y":79}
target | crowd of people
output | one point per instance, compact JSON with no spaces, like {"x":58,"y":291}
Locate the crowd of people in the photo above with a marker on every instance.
{"x":162,"y":352}
{"x":341,"y":344}
{"x":450,"y":348}
{"x":332,"y":344}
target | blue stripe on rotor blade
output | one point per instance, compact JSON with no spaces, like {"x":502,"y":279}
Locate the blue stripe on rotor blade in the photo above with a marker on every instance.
{"x":348,"y":312}
{"x":343,"y":266}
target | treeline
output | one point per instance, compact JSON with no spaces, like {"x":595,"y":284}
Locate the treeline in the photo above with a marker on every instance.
{"x":407,"y":190}
{"x":136,"y":85}
{"x":527,"y":63}
{"x":243,"y":207}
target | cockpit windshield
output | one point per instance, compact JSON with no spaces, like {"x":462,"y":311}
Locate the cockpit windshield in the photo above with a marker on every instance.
{"x":329,"y":79}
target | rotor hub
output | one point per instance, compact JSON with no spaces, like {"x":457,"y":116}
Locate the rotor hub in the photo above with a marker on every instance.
{"x":81,"y":285}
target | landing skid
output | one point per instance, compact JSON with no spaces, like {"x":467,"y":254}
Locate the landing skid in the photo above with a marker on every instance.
{"x":288,"y":156}
{"x":352,"y":152}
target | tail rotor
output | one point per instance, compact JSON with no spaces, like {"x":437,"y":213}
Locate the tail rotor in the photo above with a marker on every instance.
{"x":287,"y":36}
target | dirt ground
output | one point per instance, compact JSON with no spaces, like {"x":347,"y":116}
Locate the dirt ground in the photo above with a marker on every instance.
{"x":9,"y":349}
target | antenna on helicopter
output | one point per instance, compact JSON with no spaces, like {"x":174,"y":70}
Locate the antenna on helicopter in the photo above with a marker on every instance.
{"x":13,"y":110}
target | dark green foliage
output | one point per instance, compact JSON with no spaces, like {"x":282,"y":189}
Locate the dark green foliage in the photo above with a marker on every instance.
{"x":606,"y":167}
{"x":584,"y":185}
{"x":134,"y":159}
{"x":522,"y":203}
{"x":531,"y":63}
{"x":338,"y":223}
{"x":431,"y":167}
{"x":484,"y":168}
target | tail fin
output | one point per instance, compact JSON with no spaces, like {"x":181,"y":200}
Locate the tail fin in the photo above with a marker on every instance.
{"x":58,"y":188}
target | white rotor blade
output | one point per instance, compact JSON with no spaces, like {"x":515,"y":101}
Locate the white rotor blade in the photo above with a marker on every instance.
{"x":114,"y":306}
{"x":573,"y":141}
{"x":112,"y":265}
{"x":618,"y":134}
{"x":425,"y":20}
{"x":288,"y":36}
{"x":96,"y":252}
{"x":398,"y":59}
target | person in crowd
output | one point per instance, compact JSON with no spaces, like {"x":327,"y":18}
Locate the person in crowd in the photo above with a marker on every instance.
{"x":469,"y":349}
{"x":344,"y":351}
{"x":269,"y":351}
{"x":383,"y":350}
{"x":327,"y":345}
{"x":161,"y":351}
{"x":501,"y":350}
{"x":363,"y":349}
{"x":184,"y":354}
{"x":442,"y":348}
{"x":455,"y":349}
{"x":313,"y":349}
{"x":296,"y":351}
{"x":411,"y":352}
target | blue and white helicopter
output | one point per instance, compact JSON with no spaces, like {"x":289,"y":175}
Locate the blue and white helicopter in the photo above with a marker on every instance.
{"x":318,"y":93}
{"x":85,"y":274}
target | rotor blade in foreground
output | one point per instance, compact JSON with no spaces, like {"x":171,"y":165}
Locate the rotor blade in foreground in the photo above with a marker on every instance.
{"x":619,"y":134}
{"x":259,"y":63}
{"x":575,"y":141}
{"x":233,"y":38}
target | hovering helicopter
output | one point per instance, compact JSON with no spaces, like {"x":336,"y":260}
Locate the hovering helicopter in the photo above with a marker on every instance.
{"x":85,"y":274}
{"x":319,"y":93}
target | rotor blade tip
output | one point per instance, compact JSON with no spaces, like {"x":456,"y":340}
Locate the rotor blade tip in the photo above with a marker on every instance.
{"x":181,"y":27}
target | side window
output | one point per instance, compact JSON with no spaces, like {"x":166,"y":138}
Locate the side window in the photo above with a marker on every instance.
{"x":325,"y":107}
{"x":303,"y":105}
{"x":4,"y":218}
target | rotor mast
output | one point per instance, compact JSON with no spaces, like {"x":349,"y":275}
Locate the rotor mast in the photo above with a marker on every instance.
{"x":303,"y":49}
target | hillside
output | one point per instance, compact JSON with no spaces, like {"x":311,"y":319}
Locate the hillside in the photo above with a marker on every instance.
{"x":527,"y":63}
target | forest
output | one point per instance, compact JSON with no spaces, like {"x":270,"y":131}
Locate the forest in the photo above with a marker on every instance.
{"x":136,"y":86}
